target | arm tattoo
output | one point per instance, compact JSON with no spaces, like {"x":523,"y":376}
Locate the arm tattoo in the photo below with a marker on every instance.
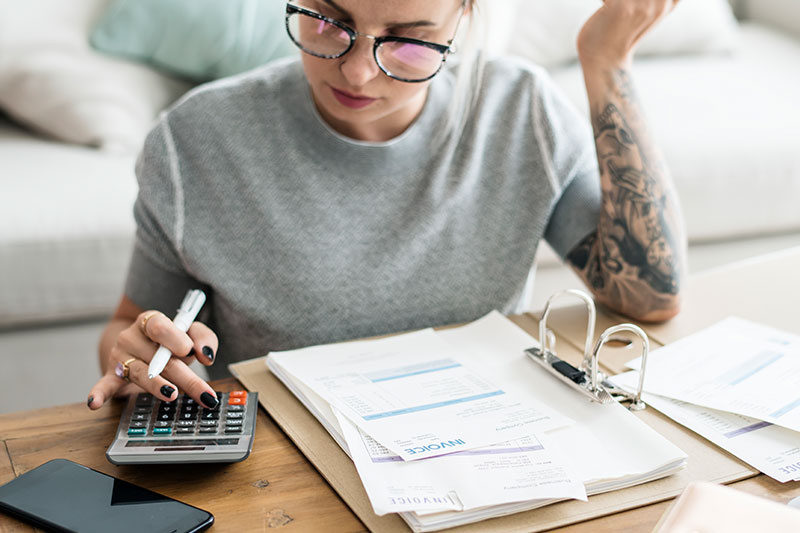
{"x":633,"y":260}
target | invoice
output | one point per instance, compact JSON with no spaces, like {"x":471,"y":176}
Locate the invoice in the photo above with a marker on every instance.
{"x":513,"y":471}
{"x":734,"y":365}
{"x":412,"y":394}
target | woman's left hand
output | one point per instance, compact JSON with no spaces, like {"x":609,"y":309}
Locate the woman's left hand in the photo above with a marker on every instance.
{"x":610,"y":36}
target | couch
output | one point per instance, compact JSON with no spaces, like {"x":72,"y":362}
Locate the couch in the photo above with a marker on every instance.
{"x":727,"y":123}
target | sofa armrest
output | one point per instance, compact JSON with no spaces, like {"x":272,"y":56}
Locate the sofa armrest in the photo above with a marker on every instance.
{"x":780,"y":14}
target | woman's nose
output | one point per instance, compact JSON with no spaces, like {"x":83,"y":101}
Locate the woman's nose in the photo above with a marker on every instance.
{"x":358,"y":65}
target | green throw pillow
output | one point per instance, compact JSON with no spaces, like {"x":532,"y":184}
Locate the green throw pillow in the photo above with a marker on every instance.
{"x":197,"y":39}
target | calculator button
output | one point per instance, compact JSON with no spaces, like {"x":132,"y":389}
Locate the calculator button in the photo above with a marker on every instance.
{"x":165,"y":416}
{"x":237,"y":401}
{"x":208,"y":430}
{"x":164,"y":408}
{"x":142,"y":409}
{"x":234,"y":414}
{"x":162,"y":431}
{"x":233,"y":429}
{"x":234,"y":422}
{"x":144,"y":399}
{"x":186,"y":423}
{"x":162,"y":424}
{"x":185,"y":430}
{"x":136,"y":431}
{"x":187,"y":416}
{"x":187,"y":400}
{"x":139,"y":424}
{"x":209,"y":415}
{"x":235,"y":408}
{"x":140,"y":417}
{"x":238,"y":394}
{"x":209,"y":423}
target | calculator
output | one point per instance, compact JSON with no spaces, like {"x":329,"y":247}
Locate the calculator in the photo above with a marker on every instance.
{"x":152,"y":431}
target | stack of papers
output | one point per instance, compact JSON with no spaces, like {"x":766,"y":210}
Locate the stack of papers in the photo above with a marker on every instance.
{"x":737,"y":384}
{"x":451,"y":427}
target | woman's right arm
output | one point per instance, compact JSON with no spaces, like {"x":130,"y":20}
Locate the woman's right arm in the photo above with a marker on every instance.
{"x":129,"y":337}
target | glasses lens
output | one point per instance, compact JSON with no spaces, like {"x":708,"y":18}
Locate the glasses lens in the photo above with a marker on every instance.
{"x":409,"y":61}
{"x":318,"y":37}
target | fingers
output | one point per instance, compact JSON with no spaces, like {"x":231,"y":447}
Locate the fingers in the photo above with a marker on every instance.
{"x":190,"y":383}
{"x":135,"y":347}
{"x":158,"y":386}
{"x":103,"y":390}
{"x":161,"y":330}
{"x":205,"y":343}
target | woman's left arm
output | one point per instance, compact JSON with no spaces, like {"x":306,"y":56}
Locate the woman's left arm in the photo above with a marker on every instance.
{"x":635,"y":261}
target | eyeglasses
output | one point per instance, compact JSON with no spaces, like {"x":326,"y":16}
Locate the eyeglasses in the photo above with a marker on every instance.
{"x":400,"y":58}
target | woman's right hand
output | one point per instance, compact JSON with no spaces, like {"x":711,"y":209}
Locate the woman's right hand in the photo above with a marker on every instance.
{"x":136,"y":345}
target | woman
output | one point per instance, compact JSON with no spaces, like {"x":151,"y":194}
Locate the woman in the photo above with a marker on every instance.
{"x":365,"y":190}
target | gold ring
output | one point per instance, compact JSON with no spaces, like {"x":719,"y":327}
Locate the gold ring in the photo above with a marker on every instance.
{"x":143,"y":323}
{"x":123,"y":370}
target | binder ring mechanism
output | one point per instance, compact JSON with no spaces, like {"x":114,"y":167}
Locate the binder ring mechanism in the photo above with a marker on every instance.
{"x":587,"y":379}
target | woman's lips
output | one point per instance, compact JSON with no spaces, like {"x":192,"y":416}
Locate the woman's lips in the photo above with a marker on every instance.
{"x":352,"y":101}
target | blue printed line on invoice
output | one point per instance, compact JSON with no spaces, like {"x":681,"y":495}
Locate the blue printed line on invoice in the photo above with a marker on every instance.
{"x":785,"y":409}
{"x":416,"y":373}
{"x":752,"y":367}
{"x":407,"y":410}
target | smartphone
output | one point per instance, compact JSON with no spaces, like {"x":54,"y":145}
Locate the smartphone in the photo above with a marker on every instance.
{"x":64,"y":496}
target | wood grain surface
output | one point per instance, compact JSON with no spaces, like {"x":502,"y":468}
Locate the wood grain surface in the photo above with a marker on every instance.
{"x":276,"y":487}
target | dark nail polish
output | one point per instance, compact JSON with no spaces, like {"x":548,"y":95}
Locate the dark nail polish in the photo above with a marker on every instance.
{"x":167,"y":391}
{"x":208,"y":352}
{"x":208,"y":400}
{"x":89,"y":401}
{"x":191,"y":352}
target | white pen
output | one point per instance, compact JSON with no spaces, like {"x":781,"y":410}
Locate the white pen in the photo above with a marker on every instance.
{"x":187,"y":312}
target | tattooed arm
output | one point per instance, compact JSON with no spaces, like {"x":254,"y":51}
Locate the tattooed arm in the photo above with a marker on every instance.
{"x":635,"y":261}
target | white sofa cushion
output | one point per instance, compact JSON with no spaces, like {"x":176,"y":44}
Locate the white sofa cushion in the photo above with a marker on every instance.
{"x":545,"y":31}
{"x":728,"y":126}
{"x":66,"y":228}
{"x":53,"y":81}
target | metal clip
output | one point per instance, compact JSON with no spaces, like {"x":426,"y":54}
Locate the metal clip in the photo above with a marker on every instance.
{"x":595,"y":386}
{"x":618,"y":393}
{"x":575,"y":378}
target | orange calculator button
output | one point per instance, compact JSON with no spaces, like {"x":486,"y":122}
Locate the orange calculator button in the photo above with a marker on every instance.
{"x":232,"y":400}
{"x":238,"y":394}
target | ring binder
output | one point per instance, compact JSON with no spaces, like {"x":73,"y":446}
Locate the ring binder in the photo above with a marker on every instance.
{"x":587,"y":379}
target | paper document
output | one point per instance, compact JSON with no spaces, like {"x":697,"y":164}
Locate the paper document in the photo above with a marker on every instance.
{"x":513,"y":471}
{"x":736,"y":366}
{"x":606,"y":447}
{"x":412,"y":394}
{"x":773,"y":450}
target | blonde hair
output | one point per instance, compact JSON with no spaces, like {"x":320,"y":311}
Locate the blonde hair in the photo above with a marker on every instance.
{"x":469,"y":44}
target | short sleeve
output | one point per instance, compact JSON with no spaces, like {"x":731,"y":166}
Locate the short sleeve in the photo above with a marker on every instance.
{"x":568,"y":149}
{"x":157,"y":278}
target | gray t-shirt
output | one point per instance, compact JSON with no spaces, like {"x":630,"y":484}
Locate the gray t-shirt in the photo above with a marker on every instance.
{"x":301,"y":236}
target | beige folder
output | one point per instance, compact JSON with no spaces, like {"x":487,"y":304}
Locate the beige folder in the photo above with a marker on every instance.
{"x":705,"y":463}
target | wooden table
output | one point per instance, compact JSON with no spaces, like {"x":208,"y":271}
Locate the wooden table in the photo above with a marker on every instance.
{"x":276,"y":487}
